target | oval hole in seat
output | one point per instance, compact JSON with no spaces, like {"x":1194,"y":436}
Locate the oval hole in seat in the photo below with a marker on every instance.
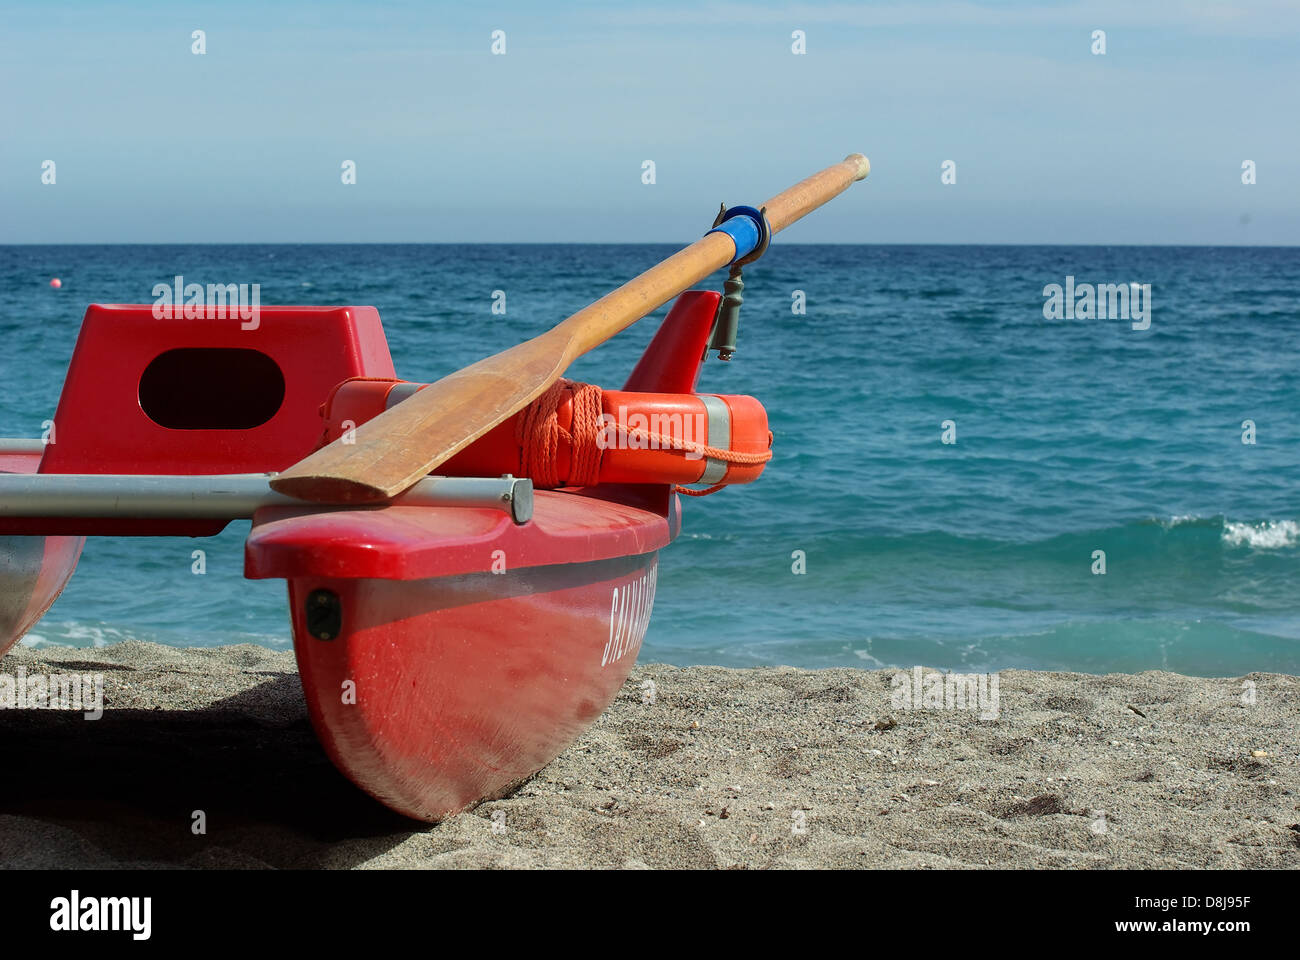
{"x":211,"y":388}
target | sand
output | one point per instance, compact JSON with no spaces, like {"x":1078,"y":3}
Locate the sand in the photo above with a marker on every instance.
{"x":725,"y":768}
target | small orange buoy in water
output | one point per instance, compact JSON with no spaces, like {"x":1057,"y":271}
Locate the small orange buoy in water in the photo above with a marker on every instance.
{"x":56,"y":283}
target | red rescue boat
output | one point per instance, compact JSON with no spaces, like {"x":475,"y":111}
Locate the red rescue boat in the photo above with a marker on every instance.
{"x":451,"y":642}
{"x":454,"y":632}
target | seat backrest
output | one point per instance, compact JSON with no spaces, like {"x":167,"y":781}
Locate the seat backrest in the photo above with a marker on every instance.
{"x":212,"y":394}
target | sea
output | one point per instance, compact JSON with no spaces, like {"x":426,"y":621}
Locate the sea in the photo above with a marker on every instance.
{"x":965,"y":477}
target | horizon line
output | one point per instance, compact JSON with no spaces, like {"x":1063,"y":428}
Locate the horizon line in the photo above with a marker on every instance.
{"x":612,"y":243}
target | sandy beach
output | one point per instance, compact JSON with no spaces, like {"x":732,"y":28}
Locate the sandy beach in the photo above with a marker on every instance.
{"x":690,"y":767}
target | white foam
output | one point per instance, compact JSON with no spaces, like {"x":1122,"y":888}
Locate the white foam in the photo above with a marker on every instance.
{"x":1268,"y":535}
{"x":866,"y":655}
{"x":76,"y":634}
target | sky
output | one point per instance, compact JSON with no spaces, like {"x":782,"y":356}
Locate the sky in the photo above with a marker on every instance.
{"x":1051,"y":143}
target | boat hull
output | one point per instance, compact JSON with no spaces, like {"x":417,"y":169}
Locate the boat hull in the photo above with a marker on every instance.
{"x":33,"y":570}
{"x":441,"y":693}
{"x":447,"y":653}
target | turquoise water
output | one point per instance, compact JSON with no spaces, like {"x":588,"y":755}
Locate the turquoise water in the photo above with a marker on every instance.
{"x":1072,"y":436}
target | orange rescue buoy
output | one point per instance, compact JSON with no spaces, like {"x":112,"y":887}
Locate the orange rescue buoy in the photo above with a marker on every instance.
{"x":579,"y":435}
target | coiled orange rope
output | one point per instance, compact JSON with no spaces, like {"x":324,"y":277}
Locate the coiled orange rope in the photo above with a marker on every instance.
{"x":539,"y":435}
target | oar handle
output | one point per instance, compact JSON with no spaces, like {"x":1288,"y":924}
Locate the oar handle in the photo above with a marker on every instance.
{"x":594,"y":324}
{"x":807,"y":195}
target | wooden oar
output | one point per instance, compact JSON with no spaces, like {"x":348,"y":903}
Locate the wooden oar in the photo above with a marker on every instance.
{"x":405,"y":442}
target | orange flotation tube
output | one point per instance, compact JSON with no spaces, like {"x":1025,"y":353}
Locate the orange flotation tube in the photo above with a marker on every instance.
{"x":577,"y":434}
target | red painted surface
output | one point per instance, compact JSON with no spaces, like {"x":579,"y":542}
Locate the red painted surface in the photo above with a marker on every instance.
{"x":314,"y":348}
{"x":466,"y":680}
{"x":465,"y":686}
{"x":101,"y":425}
{"x":671,"y":363}
{"x":417,"y":543}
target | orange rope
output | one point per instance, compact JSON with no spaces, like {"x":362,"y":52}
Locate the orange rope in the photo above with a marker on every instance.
{"x":584,"y":469}
{"x":687,"y":491}
{"x":539,"y":435}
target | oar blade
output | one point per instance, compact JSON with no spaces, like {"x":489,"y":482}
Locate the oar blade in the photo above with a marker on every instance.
{"x":394,"y":450}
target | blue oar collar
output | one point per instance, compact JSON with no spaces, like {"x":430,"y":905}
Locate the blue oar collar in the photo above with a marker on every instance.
{"x":748,"y":229}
